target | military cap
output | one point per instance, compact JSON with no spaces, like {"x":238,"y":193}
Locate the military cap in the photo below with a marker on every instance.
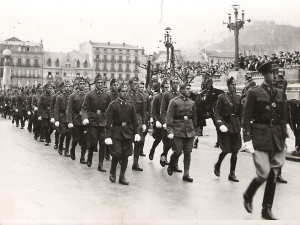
{"x":82,"y":80}
{"x":62,"y":84}
{"x":68,"y":83}
{"x":230,"y":80}
{"x":113,"y":81}
{"x":122,"y":85}
{"x":133,"y":79}
{"x":268,"y":66}
{"x":98,"y":77}
{"x":183,"y":85}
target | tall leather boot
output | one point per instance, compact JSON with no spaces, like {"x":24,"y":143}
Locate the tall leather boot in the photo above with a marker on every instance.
{"x":136,"y":154}
{"x":267,"y":204}
{"x":173,"y":162}
{"x":122,"y":179}
{"x":195,"y":145}
{"x":186,"y":164}
{"x":61,"y":142}
{"x":279,"y":177}
{"x":83,"y":151}
{"x":90,"y":155}
{"x":72,"y":150}
{"x":68,"y":140}
{"x":102,"y":149}
{"x":113,"y":168}
{"x":232,"y":176}
{"x":249,"y":193}
{"x":218,"y":164}
{"x":56,"y":142}
{"x":107,"y":155}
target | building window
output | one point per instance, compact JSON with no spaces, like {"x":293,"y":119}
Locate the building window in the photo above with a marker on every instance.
{"x":112,"y":58}
{"x":57,"y":63}
{"x":105,"y":58}
{"x":35,"y":83}
{"x":19,"y":72}
{"x":127,"y":77}
{"x":104,"y":74}
{"x":49,"y":62}
{"x":65,"y":74}
{"x":113,"y":49}
{"x":27,"y":62}
{"x":97,"y":49}
{"x":27,"y":73}
{"x":19,"y":62}
{"x":57,"y":74}
{"x":85,"y":64}
{"x":120,"y":78}
{"x":27,"y":49}
{"x":78,"y":64}
{"x":49,"y":75}
{"x":36,"y":62}
{"x":97,"y":56}
{"x":2,"y":61}
{"x":112,"y":76}
{"x":19,"y":83}
{"x":36,"y":73}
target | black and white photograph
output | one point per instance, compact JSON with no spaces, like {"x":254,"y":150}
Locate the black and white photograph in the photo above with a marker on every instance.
{"x":149,"y":112}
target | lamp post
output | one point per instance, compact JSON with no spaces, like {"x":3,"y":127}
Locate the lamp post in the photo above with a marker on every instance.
{"x":170,"y":50}
{"x":236,"y":26}
{"x":6,"y":70}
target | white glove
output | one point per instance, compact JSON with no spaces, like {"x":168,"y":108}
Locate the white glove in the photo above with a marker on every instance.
{"x":39,"y":118}
{"x":17,"y":110}
{"x":52,"y":120}
{"x":56,"y":123}
{"x":223,"y":128}
{"x":35,"y":108}
{"x":151,"y":120}
{"x":28,"y":113}
{"x":165,"y":126}
{"x":5,"y":105}
{"x":171,"y":136}
{"x":137,"y":137}
{"x":108,"y":141}
{"x":1,"y":106}
{"x":144,"y":127}
{"x":85,"y":121}
{"x":158,"y":124}
{"x":248,"y":147}
{"x":70,"y":125}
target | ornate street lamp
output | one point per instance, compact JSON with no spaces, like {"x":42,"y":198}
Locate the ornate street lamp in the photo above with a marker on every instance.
{"x":236,"y":26}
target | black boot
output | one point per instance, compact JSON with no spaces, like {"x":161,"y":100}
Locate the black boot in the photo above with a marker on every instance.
{"x":107,"y":156}
{"x":267,"y":204}
{"x":102,"y":149}
{"x":72,"y":150}
{"x":83,"y":151}
{"x":122,"y":179}
{"x":218,"y":164}
{"x":172,"y":164}
{"x":249,"y":193}
{"x":114,"y":163}
{"x":279,"y":178}
{"x":152,"y":151}
{"x":186,"y":163}
{"x":195,"y":145}
{"x":136,"y":154}
{"x":232,"y":176}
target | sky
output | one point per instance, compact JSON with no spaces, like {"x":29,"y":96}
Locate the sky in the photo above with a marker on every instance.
{"x":64,"y":24}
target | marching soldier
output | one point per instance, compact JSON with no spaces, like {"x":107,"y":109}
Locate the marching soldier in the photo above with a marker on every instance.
{"x":34,"y":106}
{"x":7,"y":103}
{"x":264,"y":130}
{"x":166,"y":98}
{"x":181,"y":123}
{"x":136,"y":99}
{"x":44,"y":113}
{"x":228,"y":117}
{"x":121,"y":129}
{"x":155,"y":111}
{"x":250,"y":83}
{"x":75,"y":121}
{"x":293,"y":106}
{"x":29,"y":109}
{"x":201,"y":122}
{"x":15,"y":113}
{"x":93,"y":115}
{"x":21,"y":102}
{"x":60,"y":117}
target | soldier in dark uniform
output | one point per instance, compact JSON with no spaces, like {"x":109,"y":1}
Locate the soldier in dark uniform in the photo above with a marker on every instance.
{"x":15,"y":114}
{"x":228,"y":117}
{"x":166,"y":98}
{"x":210,"y":101}
{"x":137,"y":100}
{"x":44,"y":113}
{"x":293,"y":107}
{"x":121,"y":129}
{"x":34,"y":105}
{"x":147,"y":106}
{"x":7,"y":103}
{"x":93,"y":114}
{"x":250,"y":83}
{"x":155,"y":112}
{"x":60,"y":116}
{"x":75,"y":121}
{"x":181,"y":123}
{"x":201,"y":122}
{"x":29,"y":109}
{"x":264,"y":130}
{"x":21,"y":103}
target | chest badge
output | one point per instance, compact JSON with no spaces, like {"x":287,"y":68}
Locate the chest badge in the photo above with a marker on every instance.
{"x":273,"y":105}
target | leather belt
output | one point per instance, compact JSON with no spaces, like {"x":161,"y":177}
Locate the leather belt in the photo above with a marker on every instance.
{"x":183,"y":117}
{"x":270,"y":123}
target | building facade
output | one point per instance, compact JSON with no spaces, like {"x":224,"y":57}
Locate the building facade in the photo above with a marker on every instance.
{"x":59,"y":66}
{"x":213,"y":57}
{"x":119,"y":61}
{"x":26,"y":62}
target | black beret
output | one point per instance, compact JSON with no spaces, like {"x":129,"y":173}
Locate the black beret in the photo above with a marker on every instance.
{"x":230,"y":80}
{"x":113,"y":81}
{"x":133,"y":79}
{"x":268,"y":66}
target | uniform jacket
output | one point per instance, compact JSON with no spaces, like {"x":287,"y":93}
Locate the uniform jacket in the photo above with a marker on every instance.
{"x":211,"y":98}
{"x":35,"y":99}
{"x":13,"y":102}
{"x":147,"y":104}
{"x":228,"y":112}
{"x":181,"y":117}
{"x":74,"y":108}
{"x":137,"y":100}
{"x":121,"y":120}
{"x":113,"y":95}
{"x":44,"y":106}
{"x":155,"y":107}
{"x":53,"y":100}
{"x":60,"y":108}
{"x":261,"y":107}
{"x":166,"y":98}
{"x":29,"y":106}
{"x":94,"y":107}
{"x":21,"y":101}
{"x":200,"y":110}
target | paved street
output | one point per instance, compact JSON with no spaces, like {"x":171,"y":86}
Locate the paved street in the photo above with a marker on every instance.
{"x":38,"y":186}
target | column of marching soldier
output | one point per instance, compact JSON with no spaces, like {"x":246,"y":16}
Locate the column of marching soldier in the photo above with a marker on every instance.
{"x":116,"y":121}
